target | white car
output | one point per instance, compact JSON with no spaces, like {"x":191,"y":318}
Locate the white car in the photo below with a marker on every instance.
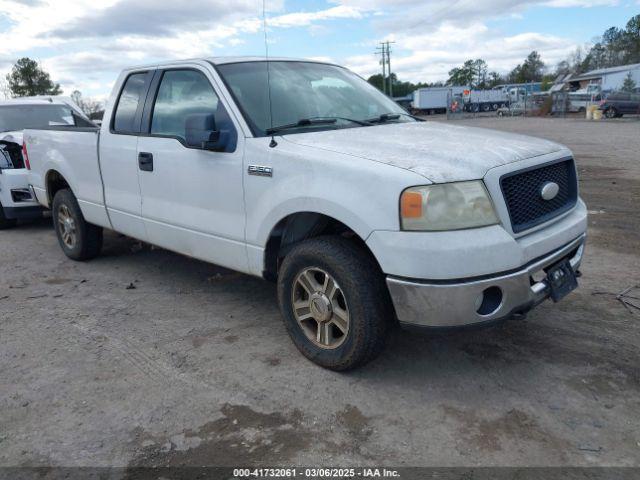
{"x":302,"y":173}
{"x":16,"y":201}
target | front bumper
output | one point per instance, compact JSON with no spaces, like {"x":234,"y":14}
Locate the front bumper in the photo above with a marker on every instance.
{"x":457,"y":303}
{"x":23,"y":213}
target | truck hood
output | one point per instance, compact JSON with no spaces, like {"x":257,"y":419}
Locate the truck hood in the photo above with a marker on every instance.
{"x":437,"y":151}
{"x":15,"y":137}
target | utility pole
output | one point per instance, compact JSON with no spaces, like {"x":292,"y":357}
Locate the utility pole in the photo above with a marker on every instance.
{"x":385,"y":51}
{"x":389,"y":69}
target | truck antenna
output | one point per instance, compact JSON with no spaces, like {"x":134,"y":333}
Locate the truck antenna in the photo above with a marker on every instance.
{"x":273,"y":142}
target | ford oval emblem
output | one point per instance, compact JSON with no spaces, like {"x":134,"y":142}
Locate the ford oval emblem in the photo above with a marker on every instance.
{"x":549,"y":191}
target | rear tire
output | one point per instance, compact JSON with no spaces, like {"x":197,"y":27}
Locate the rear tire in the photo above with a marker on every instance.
{"x":78,"y":239}
{"x":6,"y":223}
{"x":347,"y":327}
{"x":610,"y":112}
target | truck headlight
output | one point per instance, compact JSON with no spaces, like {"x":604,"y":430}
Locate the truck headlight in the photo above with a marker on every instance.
{"x":447,"y":206}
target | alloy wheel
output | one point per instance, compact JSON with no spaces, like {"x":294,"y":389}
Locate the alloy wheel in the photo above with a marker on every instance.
{"x":320,"y":308}
{"x":67,"y":226}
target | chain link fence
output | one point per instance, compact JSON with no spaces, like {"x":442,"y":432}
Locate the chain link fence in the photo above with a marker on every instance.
{"x":463,"y":103}
{"x":488,"y":103}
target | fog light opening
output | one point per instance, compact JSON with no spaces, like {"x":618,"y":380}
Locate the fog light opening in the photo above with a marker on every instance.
{"x":489,"y":300}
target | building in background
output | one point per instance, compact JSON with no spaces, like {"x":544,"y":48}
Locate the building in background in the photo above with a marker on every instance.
{"x":606,"y":78}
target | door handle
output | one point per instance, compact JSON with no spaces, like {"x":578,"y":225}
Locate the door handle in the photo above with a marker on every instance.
{"x":145,"y":161}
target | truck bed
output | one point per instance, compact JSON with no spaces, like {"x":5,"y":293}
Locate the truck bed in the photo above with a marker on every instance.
{"x":73,"y":153}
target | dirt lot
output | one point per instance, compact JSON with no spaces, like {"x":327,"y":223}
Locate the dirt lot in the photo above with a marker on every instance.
{"x":144,"y":357}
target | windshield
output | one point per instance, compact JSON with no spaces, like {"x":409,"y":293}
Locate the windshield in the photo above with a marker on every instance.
{"x":303,"y":91}
{"x":19,"y":117}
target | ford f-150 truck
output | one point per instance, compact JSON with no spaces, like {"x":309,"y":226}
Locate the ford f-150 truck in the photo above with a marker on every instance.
{"x":16,"y":201}
{"x":304,"y":174}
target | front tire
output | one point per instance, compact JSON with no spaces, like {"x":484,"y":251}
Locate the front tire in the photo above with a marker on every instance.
{"x":335,"y":303}
{"x":6,"y":223}
{"x":78,"y":239}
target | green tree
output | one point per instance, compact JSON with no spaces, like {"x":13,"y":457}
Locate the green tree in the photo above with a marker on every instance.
{"x":494,"y":79}
{"x":460,"y":76}
{"x":629,"y":84}
{"x":27,"y":78}
{"x":547,"y":82}
{"x":480,"y":73}
{"x":474,"y":73}
{"x":376,"y":81}
{"x":617,"y":46}
{"x":400,"y":88}
{"x":632,"y":39}
{"x":531,"y":70}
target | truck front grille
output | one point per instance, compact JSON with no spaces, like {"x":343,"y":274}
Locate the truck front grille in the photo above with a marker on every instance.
{"x":522,"y":192}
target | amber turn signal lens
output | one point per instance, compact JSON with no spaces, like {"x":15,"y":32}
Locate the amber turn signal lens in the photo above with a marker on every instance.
{"x":411,"y":205}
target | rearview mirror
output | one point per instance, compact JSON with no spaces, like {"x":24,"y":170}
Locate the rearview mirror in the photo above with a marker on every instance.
{"x":201,"y":132}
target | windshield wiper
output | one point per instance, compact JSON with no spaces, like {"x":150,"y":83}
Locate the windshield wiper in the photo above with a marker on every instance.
{"x":305,"y":122}
{"x":385,"y":117}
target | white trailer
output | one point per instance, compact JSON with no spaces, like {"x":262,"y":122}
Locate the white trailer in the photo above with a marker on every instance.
{"x":434,"y":99}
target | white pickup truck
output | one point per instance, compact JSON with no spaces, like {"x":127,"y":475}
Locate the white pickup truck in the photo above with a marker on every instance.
{"x":304,"y":174}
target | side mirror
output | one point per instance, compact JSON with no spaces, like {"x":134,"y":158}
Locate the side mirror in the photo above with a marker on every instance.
{"x":201,"y":132}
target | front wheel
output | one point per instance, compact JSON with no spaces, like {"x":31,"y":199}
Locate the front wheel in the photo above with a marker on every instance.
{"x":335,"y":303}
{"x":610,"y":112}
{"x":5,"y":222}
{"x":78,"y":239}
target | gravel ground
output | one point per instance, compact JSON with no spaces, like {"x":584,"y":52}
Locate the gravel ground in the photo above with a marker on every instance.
{"x":144,"y":357}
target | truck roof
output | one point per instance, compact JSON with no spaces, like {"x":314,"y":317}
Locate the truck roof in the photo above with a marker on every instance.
{"x":46,"y":100}
{"x":39,"y":100}
{"x":226,"y":60}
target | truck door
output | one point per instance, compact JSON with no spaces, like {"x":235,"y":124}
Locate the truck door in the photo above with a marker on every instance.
{"x":119,"y":156}
{"x":192,"y":198}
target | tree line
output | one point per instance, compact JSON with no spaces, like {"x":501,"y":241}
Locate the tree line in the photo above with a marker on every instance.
{"x":616,"y":46}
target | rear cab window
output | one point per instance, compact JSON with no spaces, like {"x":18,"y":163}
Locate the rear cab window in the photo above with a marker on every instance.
{"x":128,"y":111}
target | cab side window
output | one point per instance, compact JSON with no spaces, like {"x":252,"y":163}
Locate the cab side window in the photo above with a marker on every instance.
{"x":181,"y":93}
{"x":124,"y":120}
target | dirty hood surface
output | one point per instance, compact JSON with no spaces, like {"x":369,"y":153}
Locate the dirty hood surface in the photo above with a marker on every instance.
{"x":437,"y":151}
{"x":15,"y":137}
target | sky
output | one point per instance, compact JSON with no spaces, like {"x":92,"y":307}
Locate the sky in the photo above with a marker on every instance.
{"x":84,"y":43}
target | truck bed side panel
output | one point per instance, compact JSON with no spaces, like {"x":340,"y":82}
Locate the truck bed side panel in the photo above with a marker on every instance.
{"x":73,"y":153}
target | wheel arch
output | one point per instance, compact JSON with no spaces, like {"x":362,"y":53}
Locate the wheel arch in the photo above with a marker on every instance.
{"x":299,"y":226}
{"x":55,"y":181}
